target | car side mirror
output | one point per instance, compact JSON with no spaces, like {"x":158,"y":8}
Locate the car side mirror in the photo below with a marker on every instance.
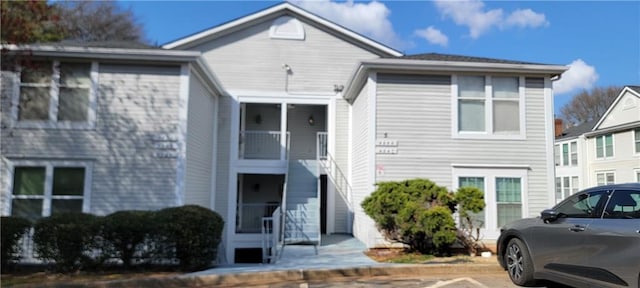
{"x":549,"y":215}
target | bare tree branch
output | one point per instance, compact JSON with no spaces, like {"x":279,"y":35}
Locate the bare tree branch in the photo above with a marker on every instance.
{"x":589,"y":105}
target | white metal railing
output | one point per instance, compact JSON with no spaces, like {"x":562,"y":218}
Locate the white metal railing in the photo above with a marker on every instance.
{"x":271,"y":236}
{"x":340,"y":181}
{"x":262,"y":145}
{"x":250,"y":216}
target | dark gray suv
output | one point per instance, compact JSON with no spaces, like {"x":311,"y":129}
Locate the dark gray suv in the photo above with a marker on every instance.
{"x":591,"y":239}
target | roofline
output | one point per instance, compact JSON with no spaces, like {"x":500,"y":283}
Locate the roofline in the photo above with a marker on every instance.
{"x":358,"y":77}
{"x":615,"y":102}
{"x":623,"y":127}
{"x":192,"y":40}
{"x":105,"y":53}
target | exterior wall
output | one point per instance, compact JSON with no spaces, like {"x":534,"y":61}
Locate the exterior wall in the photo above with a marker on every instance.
{"x":626,"y":110}
{"x":317,"y":62}
{"x":624,"y":162}
{"x":200,"y":146}
{"x":562,"y":171}
{"x":137,"y":106}
{"x":427,"y":149}
{"x":223,"y":156}
{"x":341,"y":156}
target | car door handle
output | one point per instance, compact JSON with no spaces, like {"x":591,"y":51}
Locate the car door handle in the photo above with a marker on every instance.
{"x":577,"y":228}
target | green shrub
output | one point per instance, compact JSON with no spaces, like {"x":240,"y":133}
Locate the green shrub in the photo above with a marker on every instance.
{"x":124,"y":234}
{"x":193,"y":231}
{"x":415,"y":212}
{"x":470,"y":202}
{"x":13,"y":228}
{"x":66,"y":238}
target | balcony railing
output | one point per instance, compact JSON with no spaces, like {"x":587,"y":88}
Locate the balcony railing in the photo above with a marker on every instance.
{"x":250,"y":216}
{"x":266,"y":145}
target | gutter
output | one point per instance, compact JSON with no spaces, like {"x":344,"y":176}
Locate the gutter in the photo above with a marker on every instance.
{"x":623,"y":127}
{"x":358,"y":77}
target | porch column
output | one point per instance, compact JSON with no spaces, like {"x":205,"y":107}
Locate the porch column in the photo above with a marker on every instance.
{"x":283,"y":130}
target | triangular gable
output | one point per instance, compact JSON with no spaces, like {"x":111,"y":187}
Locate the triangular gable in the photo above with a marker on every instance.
{"x":625,"y":109}
{"x":280,"y":9}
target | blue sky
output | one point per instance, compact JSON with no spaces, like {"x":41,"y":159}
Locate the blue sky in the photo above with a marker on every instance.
{"x":598,"y":40}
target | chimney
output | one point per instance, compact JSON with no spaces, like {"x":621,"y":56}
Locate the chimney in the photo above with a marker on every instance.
{"x":558,"y":127}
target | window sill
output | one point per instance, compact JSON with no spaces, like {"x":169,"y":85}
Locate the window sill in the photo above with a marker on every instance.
{"x":487,"y":136}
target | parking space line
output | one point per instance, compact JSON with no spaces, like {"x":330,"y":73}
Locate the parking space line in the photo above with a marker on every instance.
{"x":449,"y":282}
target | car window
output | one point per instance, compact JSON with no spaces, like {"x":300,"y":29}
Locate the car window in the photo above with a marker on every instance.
{"x":623,"y":204}
{"x":581,"y":205}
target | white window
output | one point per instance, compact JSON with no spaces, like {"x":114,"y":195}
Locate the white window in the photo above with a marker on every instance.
{"x":39,"y":189}
{"x":476,"y":182}
{"x":605,"y":178}
{"x":488,"y":106}
{"x":54,"y":94}
{"x":604,"y":146}
{"x":504,"y":194}
{"x":569,"y":154}
{"x":556,"y":154}
{"x":565,"y":186}
{"x":636,"y":140}
{"x":574,"y":153}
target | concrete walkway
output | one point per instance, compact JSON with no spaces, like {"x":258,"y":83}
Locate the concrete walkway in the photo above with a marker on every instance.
{"x":338,"y":257}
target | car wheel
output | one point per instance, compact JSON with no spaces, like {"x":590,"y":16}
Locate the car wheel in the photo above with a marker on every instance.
{"x":519,"y":263}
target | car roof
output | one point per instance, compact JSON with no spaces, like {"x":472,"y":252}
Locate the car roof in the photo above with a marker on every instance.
{"x":633,"y":186}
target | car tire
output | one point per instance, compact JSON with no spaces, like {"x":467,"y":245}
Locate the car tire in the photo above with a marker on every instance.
{"x":519,"y":263}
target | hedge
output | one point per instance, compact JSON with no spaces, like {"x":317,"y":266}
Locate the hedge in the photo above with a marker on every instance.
{"x":12,"y":229}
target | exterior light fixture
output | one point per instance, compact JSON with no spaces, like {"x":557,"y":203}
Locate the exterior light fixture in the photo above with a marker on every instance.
{"x":311,"y":120}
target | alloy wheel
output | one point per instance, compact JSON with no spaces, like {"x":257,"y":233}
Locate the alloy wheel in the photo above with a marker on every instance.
{"x":515,"y":261}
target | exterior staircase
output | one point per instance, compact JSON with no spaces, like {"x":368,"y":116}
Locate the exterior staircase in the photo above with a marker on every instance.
{"x":302,"y":220}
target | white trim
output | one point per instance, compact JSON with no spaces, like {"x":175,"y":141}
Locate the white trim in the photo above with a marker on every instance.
{"x":47,"y":197}
{"x":267,"y":95}
{"x":183,"y":110}
{"x":605,"y":172}
{"x":492,"y":166}
{"x":99,"y":53}
{"x":195,"y":39}
{"x":331,"y":136}
{"x":233,"y":178}
{"x":274,"y":33}
{"x":604,"y":147}
{"x":549,"y":140}
{"x":350,"y":136}
{"x":626,"y":89}
{"x":636,"y":135}
{"x":54,"y":91}
{"x":371,"y":155}
{"x":214,"y":158}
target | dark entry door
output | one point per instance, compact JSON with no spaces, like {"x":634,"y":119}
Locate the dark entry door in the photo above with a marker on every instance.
{"x":323,"y":204}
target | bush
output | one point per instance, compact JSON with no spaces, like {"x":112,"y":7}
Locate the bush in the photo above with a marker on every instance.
{"x":193,"y":231}
{"x":13,"y":228}
{"x":67,"y":239}
{"x":124,"y":234}
{"x":414,"y":212}
{"x":470,"y":202}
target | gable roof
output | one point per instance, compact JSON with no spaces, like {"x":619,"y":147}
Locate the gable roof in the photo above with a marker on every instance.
{"x":273,"y":12}
{"x":634,"y":90}
{"x":460,"y":58}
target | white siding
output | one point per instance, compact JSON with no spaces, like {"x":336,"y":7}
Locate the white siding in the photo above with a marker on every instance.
{"x":200,"y":146}
{"x":317,"y":62}
{"x":135,"y":103}
{"x":341,"y":157}
{"x":626,"y":110}
{"x":623,"y":163}
{"x":223,"y":157}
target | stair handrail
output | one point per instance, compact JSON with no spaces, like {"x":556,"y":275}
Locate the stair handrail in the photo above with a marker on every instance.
{"x":283,"y":212}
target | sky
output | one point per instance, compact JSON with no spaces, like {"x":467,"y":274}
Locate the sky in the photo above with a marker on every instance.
{"x":598,"y":40}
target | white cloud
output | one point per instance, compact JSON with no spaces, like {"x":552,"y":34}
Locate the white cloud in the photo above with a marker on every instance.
{"x":579,"y":76}
{"x":433,"y":35}
{"x":472,"y":13}
{"x":370,"y":19}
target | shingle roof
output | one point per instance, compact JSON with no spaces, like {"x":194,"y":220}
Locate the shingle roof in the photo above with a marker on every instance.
{"x":634,"y":88}
{"x":576,"y":131}
{"x":460,"y":58}
{"x":103,"y":44}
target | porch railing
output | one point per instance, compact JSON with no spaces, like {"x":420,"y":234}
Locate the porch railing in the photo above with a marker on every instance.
{"x":250,"y":216}
{"x":321,"y":145}
{"x":271,"y":236}
{"x":262,"y":145}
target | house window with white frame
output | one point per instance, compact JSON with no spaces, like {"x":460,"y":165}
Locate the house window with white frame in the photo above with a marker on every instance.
{"x":636,"y":140}
{"x":508,"y":199}
{"x":565,"y":186}
{"x":604,"y":146}
{"x":478,"y":219}
{"x":605,"y":178}
{"x":40,"y":189}
{"x":569,"y":153}
{"x":556,"y":154}
{"x":488,"y":105}
{"x":54,"y":94}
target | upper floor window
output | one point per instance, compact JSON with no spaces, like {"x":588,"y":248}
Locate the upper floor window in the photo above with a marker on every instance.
{"x":489,"y":105}
{"x":566,"y":186}
{"x":54,"y":94}
{"x":570,"y":154}
{"x":636,"y":140}
{"x":604,"y":146}
{"x":605,"y":178}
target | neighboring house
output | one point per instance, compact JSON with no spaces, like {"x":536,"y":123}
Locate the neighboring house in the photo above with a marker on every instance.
{"x":278,"y":111}
{"x":603,"y":151}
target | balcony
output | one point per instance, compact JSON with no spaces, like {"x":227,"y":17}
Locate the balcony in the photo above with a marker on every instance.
{"x":250,"y":216}
{"x":262,"y":145}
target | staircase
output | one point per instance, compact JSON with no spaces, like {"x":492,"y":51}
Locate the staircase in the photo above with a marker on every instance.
{"x":302,"y":220}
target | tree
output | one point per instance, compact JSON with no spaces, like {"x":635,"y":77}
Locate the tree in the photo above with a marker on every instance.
{"x":29,"y":22}
{"x":589,"y":105}
{"x":96,"y":21}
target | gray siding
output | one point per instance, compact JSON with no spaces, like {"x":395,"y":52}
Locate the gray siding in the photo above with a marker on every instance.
{"x":134,"y":104}
{"x":199,"y":165}
{"x":317,"y":62}
{"x":425,"y":144}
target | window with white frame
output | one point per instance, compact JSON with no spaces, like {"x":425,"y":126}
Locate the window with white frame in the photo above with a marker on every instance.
{"x":504,"y":193}
{"x":604,"y":146}
{"x":488,"y":105}
{"x":569,"y":154}
{"x":636,"y":140}
{"x":508,"y":199}
{"x":54,"y":94}
{"x":556,"y":154}
{"x":565,"y":186}
{"x":478,"y":219}
{"x":40,"y":189}
{"x":605,"y":178}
